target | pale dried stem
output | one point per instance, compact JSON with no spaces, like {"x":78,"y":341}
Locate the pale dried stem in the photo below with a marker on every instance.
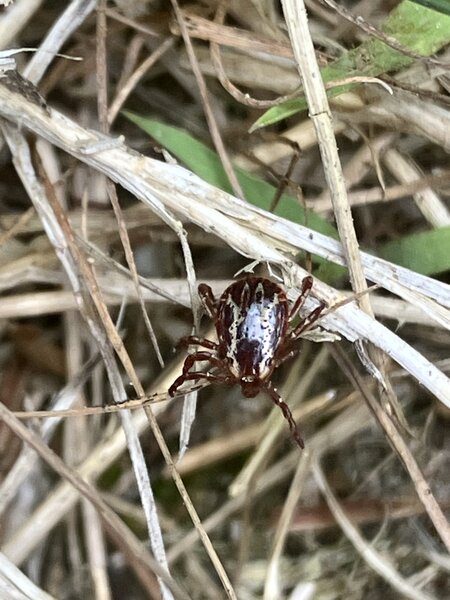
{"x":203,"y":29}
{"x":15,"y":19}
{"x":427,"y":201}
{"x":13,"y":581}
{"x":330,"y":437}
{"x":61,"y":500}
{"x":82,"y":278}
{"x":163,"y":186}
{"x":68,"y":22}
{"x":115,"y":287}
{"x":122,"y":535}
{"x":272,"y":586}
{"x":320,"y":113}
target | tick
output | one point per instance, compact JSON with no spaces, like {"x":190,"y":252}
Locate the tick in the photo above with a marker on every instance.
{"x":255,"y":335}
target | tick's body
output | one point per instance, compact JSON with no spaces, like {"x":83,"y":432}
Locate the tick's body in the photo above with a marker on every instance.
{"x":252,"y":319}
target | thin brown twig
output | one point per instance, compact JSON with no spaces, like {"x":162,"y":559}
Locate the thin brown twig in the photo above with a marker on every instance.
{"x":101,"y":67}
{"x":94,"y":539}
{"x":87,"y":273}
{"x":24,"y":218}
{"x":362,"y":511}
{"x":125,"y":240}
{"x":132,"y":404}
{"x":189,"y":506}
{"x":246,"y":99}
{"x":203,"y":29}
{"x":106,"y":117}
{"x":418,"y":91}
{"x":209,"y":114}
{"x":135,"y":77}
{"x":132,"y":23}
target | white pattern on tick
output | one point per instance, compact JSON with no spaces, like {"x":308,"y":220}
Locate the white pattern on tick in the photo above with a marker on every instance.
{"x":255,"y":329}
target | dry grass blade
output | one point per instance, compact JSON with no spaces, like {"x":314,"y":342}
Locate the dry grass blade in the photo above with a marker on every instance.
{"x":272,"y":584}
{"x":82,"y":278}
{"x":14,"y":584}
{"x":164,"y":187}
{"x":274,"y":427}
{"x":320,"y":112}
{"x":140,"y":558}
{"x":336,"y":432}
{"x":93,"y":272}
{"x":56,"y":223}
{"x":26,"y":462}
{"x":319,"y":109}
{"x":213,"y":127}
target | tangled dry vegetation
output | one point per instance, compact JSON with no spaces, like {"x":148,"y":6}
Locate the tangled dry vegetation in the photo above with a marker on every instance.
{"x":99,"y":282}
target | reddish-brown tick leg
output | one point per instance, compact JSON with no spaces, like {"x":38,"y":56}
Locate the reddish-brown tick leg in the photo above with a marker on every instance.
{"x":286,"y":413}
{"x":285,"y":352}
{"x":308,"y":321}
{"x":186,"y":375}
{"x":196,"y":341}
{"x":196,"y":377}
{"x":307,"y":284}
{"x":208,"y":300}
{"x":191,"y":359}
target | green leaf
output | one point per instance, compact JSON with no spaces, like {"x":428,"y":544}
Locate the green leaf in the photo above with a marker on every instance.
{"x":442,"y":6}
{"x":420,"y":29}
{"x":427,"y":253}
{"x":205,"y":163}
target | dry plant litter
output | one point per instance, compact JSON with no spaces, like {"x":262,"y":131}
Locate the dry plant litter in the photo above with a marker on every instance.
{"x":101,"y":496}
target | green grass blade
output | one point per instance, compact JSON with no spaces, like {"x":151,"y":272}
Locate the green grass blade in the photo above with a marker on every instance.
{"x":415,"y":27}
{"x":442,"y":6}
{"x":427,"y":253}
{"x":205,"y":163}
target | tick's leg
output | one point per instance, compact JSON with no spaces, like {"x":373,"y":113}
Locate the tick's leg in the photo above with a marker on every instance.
{"x":286,"y":413}
{"x":196,"y":376}
{"x":196,"y":341}
{"x":306,"y":288}
{"x":308,"y":321}
{"x":208,"y":300}
{"x":285,"y":352}
{"x":191,"y":359}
